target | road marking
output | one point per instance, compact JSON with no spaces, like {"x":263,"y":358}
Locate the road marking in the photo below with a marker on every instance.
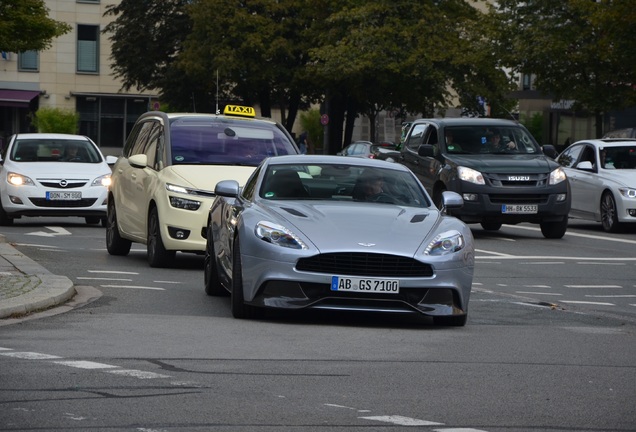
{"x":612,"y":296}
{"x":29,"y":355}
{"x":113,"y":272}
{"x":585,"y":260}
{"x":587,"y":302}
{"x":593,"y":286}
{"x":83,"y":364}
{"x":106,"y":279}
{"x":137,"y":373}
{"x":57,"y":231}
{"x":168,"y":282}
{"x":133,"y":287}
{"x":458,"y":430}
{"x":572,"y":234}
{"x":36,"y":245}
{"x":402,"y":421}
{"x":538,"y":293}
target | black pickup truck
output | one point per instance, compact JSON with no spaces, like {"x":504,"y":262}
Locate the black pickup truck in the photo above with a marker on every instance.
{"x":498,"y":168}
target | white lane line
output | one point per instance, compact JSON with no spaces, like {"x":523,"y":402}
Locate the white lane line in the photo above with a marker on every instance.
{"x":587,"y":302}
{"x":137,"y":373}
{"x":573,"y":234}
{"x":83,"y":364}
{"x":113,"y":272}
{"x":612,"y":296}
{"x":29,"y":355}
{"x":552,"y":258}
{"x":402,"y":421}
{"x":538,"y":293}
{"x":134,"y":287}
{"x":601,"y":263}
{"x":168,"y":282}
{"x":496,"y":254}
{"x":105,"y":279}
{"x":593,"y":286}
{"x":537,"y":286}
{"x":37,"y":245}
{"x":543,"y":263}
{"x":458,"y":430}
{"x":340,"y":406}
{"x":6,"y":349}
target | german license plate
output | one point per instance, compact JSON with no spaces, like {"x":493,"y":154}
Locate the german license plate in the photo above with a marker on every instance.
{"x":519,"y":208}
{"x":66,"y":196}
{"x":370,"y":285}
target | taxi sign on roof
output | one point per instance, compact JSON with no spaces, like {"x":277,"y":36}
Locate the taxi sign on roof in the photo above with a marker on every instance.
{"x":238,"y":110}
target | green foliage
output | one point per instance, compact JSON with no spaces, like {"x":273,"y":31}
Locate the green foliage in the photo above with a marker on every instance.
{"x":25,"y":26}
{"x":310,"y":122}
{"x":56,"y":120}
{"x":534,"y":124}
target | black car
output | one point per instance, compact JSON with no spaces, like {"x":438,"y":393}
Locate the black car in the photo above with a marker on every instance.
{"x":496,"y":165}
{"x":367,"y":149}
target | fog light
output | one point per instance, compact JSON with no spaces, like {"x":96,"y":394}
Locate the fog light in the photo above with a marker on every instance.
{"x":469,"y":197}
{"x":15,"y":200}
{"x":178,"y":233}
{"x":632,"y":212}
{"x":561,"y":197}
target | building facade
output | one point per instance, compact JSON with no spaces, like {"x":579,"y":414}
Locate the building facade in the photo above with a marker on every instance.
{"x":75,"y":74}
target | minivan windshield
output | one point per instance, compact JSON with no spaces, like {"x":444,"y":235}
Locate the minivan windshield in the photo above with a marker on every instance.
{"x":489,"y":140}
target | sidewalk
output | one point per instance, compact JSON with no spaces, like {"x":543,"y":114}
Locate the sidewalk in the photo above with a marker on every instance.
{"x":26,"y":286}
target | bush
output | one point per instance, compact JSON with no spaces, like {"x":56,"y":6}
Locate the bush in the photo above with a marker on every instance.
{"x":56,"y":120}
{"x":310,"y":122}
{"x":534,"y":124}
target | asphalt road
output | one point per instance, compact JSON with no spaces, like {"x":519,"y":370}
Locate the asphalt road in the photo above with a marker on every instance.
{"x":549,"y":346}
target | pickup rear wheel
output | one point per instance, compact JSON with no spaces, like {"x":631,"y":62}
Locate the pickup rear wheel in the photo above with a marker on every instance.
{"x":554,"y":230}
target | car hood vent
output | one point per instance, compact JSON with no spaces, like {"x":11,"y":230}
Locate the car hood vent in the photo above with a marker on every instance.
{"x":418,"y":218}
{"x":294,"y":212}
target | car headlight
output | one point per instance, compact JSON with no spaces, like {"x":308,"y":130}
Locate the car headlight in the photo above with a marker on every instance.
{"x":446,"y":243}
{"x":278,"y":235}
{"x":557,"y":176}
{"x":182,"y":203}
{"x":470,"y":175}
{"x":102,"y":181}
{"x":19,"y":180}
{"x":628,"y":192}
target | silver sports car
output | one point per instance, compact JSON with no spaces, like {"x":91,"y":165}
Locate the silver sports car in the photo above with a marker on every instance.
{"x":327,"y":232}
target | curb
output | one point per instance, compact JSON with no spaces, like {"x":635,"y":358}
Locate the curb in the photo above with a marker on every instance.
{"x":53,"y":289}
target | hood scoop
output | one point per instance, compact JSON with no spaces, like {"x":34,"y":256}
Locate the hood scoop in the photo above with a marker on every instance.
{"x":418,"y":218}
{"x":294,"y":212}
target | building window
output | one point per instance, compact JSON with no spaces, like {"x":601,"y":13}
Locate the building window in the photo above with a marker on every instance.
{"x":527,"y":82}
{"x":88,"y":48}
{"x":28,"y":61}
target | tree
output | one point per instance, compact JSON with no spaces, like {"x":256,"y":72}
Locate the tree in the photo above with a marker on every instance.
{"x":25,"y":26}
{"x":579,"y":50}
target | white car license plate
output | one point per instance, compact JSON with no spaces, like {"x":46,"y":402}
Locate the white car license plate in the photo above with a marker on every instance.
{"x":519,"y":208}
{"x":68,"y":196}
{"x":371,"y":285}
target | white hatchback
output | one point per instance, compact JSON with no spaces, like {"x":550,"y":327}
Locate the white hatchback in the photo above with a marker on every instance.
{"x":44,"y":174}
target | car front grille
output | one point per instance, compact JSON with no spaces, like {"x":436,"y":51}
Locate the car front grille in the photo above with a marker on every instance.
{"x":365,"y":264}
{"x":55,"y":184}
{"x":517,"y":180}
{"x":43,"y":202}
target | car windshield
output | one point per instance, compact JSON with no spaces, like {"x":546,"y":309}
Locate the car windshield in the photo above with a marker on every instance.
{"x":623,"y":157}
{"x":54,"y":150}
{"x":342,"y":182}
{"x":226,"y":142}
{"x":489,"y":140}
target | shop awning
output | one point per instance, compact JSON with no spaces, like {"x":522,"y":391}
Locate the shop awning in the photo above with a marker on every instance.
{"x":17,"y":98}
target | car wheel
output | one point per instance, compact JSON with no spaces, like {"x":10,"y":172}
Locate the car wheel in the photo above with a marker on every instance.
{"x":92,"y":220}
{"x":491,"y":226}
{"x":210,"y":271}
{"x":554,"y":230}
{"x":5,"y":220}
{"x":451,"y":321}
{"x":609,"y":217}
{"x":115,"y":244}
{"x":158,"y":256}
{"x":239,"y":308}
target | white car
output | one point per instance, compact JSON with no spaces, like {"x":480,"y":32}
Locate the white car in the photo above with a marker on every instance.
{"x":602,"y":174}
{"x":45,"y":174}
{"x":163,"y":185}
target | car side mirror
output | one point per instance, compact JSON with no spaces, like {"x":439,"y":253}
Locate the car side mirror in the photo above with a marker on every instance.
{"x":138,"y":160}
{"x":426,"y":150}
{"x":451,"y":200}
{"x":227,"y":188}
{"x":585,"y":166}
{"x":110,"y":160}
{"x":550,"y":151}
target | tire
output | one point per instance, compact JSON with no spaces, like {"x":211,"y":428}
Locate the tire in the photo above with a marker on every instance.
{"x":158,"y":256}
{"x":554,"y":230}
{"x":92,"y":220}
{"x":451,"y":321}
{"x":491,"y":226}
{"x":5,"y":219}
{"x":210,"y":271}
{"x":609,"y":216}
{"x":239,"y":309}
{"x":115,"y":244}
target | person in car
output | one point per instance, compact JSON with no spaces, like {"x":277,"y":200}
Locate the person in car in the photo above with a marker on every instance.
{"x":498,"y":145}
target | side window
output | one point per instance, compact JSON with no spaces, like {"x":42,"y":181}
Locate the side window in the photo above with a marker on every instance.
{"x":153,"y":144}
{"x":140,"y":142}
{"x":250,"y":186}
{"x":588,"y":155}
{"x":569,"y":157}
{"x":416,"y":138}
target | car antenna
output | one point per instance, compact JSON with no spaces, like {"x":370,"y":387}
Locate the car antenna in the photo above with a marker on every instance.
{"x":217,"y":93}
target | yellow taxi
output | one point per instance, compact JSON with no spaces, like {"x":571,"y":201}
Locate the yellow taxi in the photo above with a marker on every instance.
{"x":163,"y":184}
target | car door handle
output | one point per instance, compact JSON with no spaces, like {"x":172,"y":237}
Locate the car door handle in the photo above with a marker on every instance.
{"x":133,"y":176}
